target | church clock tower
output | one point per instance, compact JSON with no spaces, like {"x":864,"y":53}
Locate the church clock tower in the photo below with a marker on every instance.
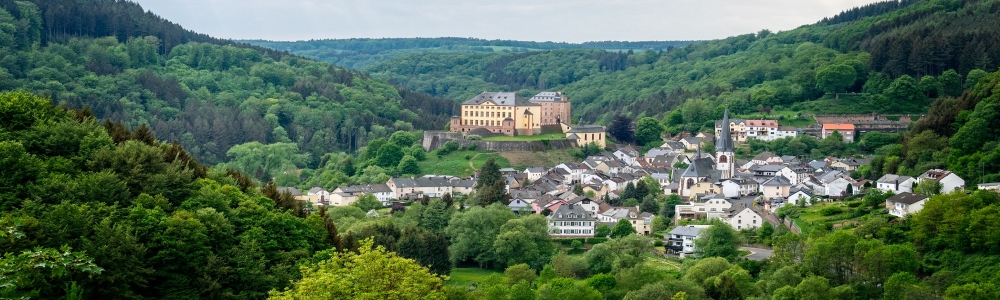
{"x":725,"y":151}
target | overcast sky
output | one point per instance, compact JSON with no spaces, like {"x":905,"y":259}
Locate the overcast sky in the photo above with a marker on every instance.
{"x":534,"y":20}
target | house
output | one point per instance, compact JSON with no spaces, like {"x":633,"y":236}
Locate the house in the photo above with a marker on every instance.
{"x":586,"y":134}
{"x":429,"y":185}
{"x":775,"y":187}
{"x":784,"y":132}
{"x":766,"y":157}
{"x":343,"y":199}
{"x":673,"y":147}
{"x":846,"y":130}
{"x":627,"y":155}
{"x":737,"y":129}
{"x":640,"y":221}
{"x":692,"y":143}
{"x":534,"y":173}
{"x":318,"y":196}
{"x":712,"y":208}
{"x":992,"y":186}
{"x":381,"y":191}
{"x":850,"y":164}
{"x":767,"y":170}
{"x":905,"y":203}
{"x":745,"y":219}
{"x":895,"y":183}
{"x":949,"y":181}
{"x":765,"y":130}
{"x":571,"y":221}
{"x":838,"y":188}
{"x":680,"y":240}
{"x":294,"y":192}
{"x":739,"y":187}
{"x":800,"y":196}
{"x":519,"y":206}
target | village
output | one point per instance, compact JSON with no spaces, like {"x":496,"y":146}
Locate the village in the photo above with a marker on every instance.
{"x":577,"y":196}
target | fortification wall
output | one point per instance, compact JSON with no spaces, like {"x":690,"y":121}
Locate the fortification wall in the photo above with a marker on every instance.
{"x":435,"y":139}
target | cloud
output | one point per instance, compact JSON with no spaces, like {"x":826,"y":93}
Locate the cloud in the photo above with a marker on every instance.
{"x":536,"y":20}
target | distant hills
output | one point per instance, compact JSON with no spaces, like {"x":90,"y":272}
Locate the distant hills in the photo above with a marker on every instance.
{"x":359,"y":53}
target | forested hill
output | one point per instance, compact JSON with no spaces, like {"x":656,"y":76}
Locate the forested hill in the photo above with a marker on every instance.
{"x":359,"y":53}
{"x":129,"y":65}
{"x":892,"y":52}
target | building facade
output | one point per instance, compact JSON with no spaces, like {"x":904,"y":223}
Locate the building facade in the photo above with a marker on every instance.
{"x":555,"y":107}
{"x":499,"y":112}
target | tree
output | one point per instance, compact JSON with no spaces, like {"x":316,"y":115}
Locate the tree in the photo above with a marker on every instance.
{"x":337,"y":277}
{"x":765,"y":232}
{"x":408,"y":165}
{"x":389,"y":155}
{"x":904,"y":94}
{"x":719,"y":240}
{"x":618,"y":253}
{"x":578,"y":189}
{"x":402,"y":139}
{"x":427,"y":248}
{"x":474,"y":231}
{"x":602,"y":230}
{"x":835,"y":78}
{"x":621,"y":129}
{"x":660,"y":223}
{"x":519,"y":273}
{"x":524,"y":240}
{"x":567,"y":288}
{"x":928,"y":188}
{"x":367,"y":202}
{"x":951,"y":83}
{"x":669,"y":204}
{"x":649,"y":205}
{"x":705,"y":268}
{"x":973,"y":78}
{"x":623,"y":228}
{"x":648,"y":130}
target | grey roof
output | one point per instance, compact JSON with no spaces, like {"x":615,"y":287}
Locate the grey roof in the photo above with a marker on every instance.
{"x":585,"y":129}
{"x":764,"y":155}
{"x":768,"y":168}
{"x":693,"y":140}
{"x":990,"y":184}
{"x":906,"y":198}
{"x":777,"y":181}
{"x":316,"y":190}
{"x":725,"y":139}
{"x":499,"y":98}
{"x":893,"y":178}
{"x":370,"y":188}
{"x":291,"y":190}
{"x":430,"y":182}
{"x":686,"y":231}
{"x":573,"y":136}
{"x":572,"y":212}
{"x":673,"y":145}
{"x":656,"y":152}
{"x":788,"y":158}
{"x":548,"y":96}
{"x":535,"y":170}
{"x":817,"y":164}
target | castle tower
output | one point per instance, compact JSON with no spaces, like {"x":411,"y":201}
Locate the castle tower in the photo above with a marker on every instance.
{"x":725,"y":151}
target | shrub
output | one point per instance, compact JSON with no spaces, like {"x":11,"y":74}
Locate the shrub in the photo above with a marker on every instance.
{"x":854,"y":204}
{"x":596,"y":240}
{"x":472,"y":147}
{"x":468,"y":156}
{"x":658,"y":243}
{"x":473,"y":137}
{"x":830,"y":210}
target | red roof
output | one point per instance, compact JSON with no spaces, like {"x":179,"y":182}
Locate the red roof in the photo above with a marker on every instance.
{"x":838,"y":126}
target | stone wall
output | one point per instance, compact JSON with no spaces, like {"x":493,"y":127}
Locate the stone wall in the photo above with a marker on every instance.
{"x":435,"y":139}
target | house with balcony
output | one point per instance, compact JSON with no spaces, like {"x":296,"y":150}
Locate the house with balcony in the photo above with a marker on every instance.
{"x":904,"y":204}
{"x":680,"y":240}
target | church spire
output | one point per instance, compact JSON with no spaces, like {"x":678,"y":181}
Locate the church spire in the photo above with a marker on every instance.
{"x":725,"y":137}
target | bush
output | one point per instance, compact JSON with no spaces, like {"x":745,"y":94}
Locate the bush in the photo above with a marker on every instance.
{"x":473,"y":137}
{"x":596,"y":240}
{"x":569,"y":241}
{"x":830,"y":210}
{"x":468,"y":156}
{"x":854,"y":204}
{"x":658,"y":243}
{"x":472,"y":147}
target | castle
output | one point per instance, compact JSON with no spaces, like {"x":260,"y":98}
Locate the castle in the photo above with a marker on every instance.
{"x":510,"y":114}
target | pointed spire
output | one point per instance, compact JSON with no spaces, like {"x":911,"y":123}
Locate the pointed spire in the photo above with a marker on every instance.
{"x":725,"y":138}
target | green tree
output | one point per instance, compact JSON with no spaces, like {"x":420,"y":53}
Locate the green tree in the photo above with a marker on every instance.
{"x":602,"y":230}
{"x":389,"y":155}
{"x":524,"y":240}
{"x":367,"y":202}
{"x":617,"y":254}
{"x":519,"y":273}
{"x":951,"y":83}
{"x":973,"y":78}
{"x":623,"y":228}
{"x":474,"y":231}
{"x":408,"y":165}
{"x":904,"y":94}
{"x":402,"y":139}
{"x":835,"y":78}
{"x":566,"y":288}
{"x":719,"y":240}
{"x":706,"y":268}
{"x":337,"y":277}
{"x":648,"y":130}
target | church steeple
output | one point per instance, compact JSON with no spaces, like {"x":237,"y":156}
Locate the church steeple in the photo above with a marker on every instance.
{"x":725,"y":149}
{"x":725,"y":137}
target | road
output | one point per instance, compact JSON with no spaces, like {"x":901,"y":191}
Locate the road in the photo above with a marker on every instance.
{"x":757,"y":254}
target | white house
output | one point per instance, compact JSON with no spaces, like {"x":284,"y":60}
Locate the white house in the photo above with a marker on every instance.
{"x":739,"y":187}
{"x":681,"y":239}
{"x":711,"y":208}
{"x":895,"y":183}
{"x":381,"y":191}
{"x":775,"y":187}
{"x":318,"y":196}
{"x":520,"y":206}
{"x":745,"y":219}
{"x":949,"y":181}
{"x":627,"y":155}
{"x":571,"y":221}
{"x":838,"y":188}
{"x":798,"y":196}
{"x":534,"y":173}
{"x":991,"y":186}
{"x":905,"y":204}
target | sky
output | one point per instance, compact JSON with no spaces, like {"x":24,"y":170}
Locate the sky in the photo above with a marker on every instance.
{"x":532,"y":20}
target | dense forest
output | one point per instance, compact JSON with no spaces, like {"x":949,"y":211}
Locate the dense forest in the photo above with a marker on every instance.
{"x":210,"y":95}
{"x":896,"y":53}
{"x":360,"y":53}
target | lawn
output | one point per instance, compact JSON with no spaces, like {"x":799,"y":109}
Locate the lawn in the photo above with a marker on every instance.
{"x":811,"y":216}
{"x":537,"y":137}
{"x":522,"y":159}
{"x":457,"y":163}
{"x":461,"y":277}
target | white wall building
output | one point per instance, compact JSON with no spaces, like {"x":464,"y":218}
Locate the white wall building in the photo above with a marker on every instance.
{"x":681,"y":239}
{"x":572,"y":221}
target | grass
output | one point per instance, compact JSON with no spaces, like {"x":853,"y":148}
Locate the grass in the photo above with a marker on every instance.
{"x":461,"y":277}
{"x":523,"y":159}
{"x":537,"y":137}
{"x":457,"y":163}
{"x":810,"y":216}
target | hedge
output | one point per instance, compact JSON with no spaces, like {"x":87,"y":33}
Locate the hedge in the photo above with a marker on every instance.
{"x":596,"y":240}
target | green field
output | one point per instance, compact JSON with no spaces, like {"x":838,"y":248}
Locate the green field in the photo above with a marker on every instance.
{"x":461,"y":277}
{"x":537,"y":137}
{"x":457,"y":163}
{"x":811,"y":216}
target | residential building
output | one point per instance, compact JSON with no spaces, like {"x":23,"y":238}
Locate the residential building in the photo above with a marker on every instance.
{"x":534,"y":173}
{"x":520,"y":206}
{"x":800,"y":196}
{"x":746,"y":218}
{"x":499,"y":112}
{"x":586,"y":134}
{"x":318,"y":196}
{"x":739,"y":187}
{"x":640,"y":221}
{"x":992,"y":186}
{"x":785,"y":132}
{"x":381,"y":191}
{"x":737,"y":129}
{"x":712,"y":208}
{"x":845,"y":130}
{"x":776,"y":187}
{"x":692,"y":143}
{"x":431,"y":186}
{"x":905,"y":203}
{"x":949,"y":181}
{"x":895,"y":183}
{"x":681,"y":239}
{"x":571,"y":221}
{"x":555,"y":107}
{"x":764,"y":130}
{"x":765,"y":158}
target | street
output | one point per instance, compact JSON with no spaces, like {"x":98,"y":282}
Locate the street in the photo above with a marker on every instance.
{"x":757,"y":254}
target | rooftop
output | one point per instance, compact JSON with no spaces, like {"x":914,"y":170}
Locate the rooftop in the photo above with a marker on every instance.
{"x":499,"y":98}
{"x":838,"y":126}
{"x":906,"y":198}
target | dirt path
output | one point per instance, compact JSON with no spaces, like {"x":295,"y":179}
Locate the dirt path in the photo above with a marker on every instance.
{"x":471,"y":166}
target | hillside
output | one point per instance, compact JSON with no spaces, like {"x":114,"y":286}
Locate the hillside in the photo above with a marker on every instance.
{"x":886,"y":50}
{"x":360,"y":53}
{"x":209,"y":94}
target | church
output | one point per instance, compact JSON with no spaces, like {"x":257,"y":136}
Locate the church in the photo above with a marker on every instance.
{"x":705,"y":172}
